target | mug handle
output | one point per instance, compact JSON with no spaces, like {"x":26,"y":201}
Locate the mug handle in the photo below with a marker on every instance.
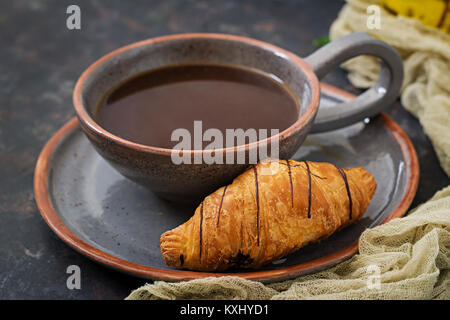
{"x":372,"y":101}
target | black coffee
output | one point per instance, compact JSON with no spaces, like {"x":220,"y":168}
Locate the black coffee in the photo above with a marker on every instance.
{"x":148,"y":107}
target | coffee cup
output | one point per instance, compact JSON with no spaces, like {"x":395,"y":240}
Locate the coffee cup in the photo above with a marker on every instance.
{"x":154,"y":167}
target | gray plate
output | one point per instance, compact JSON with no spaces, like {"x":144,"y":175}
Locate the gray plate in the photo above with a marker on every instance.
{"x":119,"y":223}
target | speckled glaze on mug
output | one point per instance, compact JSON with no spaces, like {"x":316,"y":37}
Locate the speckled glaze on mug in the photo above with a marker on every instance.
{"x":153,"y":166}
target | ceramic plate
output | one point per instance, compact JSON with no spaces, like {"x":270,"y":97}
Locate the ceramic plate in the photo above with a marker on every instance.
{"x":118,"y":223}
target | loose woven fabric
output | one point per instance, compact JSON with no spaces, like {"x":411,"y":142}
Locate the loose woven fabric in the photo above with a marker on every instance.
{"x":406,"y":258}
{"x":426,"y":55}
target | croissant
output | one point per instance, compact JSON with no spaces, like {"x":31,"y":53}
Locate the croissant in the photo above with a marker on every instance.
{"x":264,"y":214}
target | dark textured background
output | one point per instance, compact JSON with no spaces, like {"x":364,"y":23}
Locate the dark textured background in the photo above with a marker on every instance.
{"x":40,"y":60}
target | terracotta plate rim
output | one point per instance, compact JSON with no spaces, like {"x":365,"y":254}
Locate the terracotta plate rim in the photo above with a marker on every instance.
{"x":51,"y":217}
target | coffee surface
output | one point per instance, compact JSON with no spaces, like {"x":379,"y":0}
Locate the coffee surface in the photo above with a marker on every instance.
{"x":148,"y":107}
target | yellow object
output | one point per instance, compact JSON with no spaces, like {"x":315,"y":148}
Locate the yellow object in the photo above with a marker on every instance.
{"x":432,"y":13}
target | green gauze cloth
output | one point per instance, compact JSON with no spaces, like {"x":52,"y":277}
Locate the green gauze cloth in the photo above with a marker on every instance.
{"x":406,"y":258}
{"x":426,"y":55}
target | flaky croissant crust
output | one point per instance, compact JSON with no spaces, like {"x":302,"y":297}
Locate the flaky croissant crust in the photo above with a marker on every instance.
{"x":267,"y":213}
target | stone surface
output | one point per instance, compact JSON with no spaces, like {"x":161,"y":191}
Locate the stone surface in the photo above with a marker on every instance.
{"x":41,"y":60}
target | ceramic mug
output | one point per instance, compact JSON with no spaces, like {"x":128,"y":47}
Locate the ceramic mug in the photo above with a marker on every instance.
{"x":153,"y":166}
